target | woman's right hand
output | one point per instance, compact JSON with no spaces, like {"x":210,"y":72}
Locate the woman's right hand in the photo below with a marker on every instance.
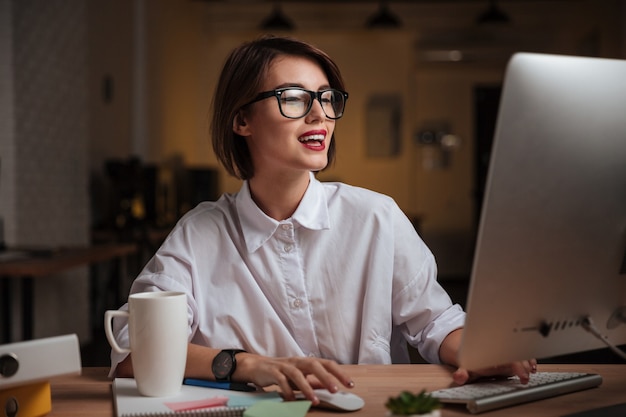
{"x":290,"y":374}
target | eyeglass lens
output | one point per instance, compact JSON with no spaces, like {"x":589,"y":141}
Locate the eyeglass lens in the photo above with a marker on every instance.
{"x":296,"y":103}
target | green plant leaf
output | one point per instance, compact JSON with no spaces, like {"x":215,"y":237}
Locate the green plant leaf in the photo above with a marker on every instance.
{"x":407,"y":403}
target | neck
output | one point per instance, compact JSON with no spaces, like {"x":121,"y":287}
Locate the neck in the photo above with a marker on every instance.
{"x":280,"y":196}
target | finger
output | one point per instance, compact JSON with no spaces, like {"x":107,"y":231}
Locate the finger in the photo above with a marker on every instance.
{"x":343,"y":377}
{"x":529,"y":367}
{"x":329,"y":373}
{"x":285,"y":385}
{"x":461,"y":376}
{"x":315,"y":370}
{"x":296,"y":380}
{"x":522,"y":371}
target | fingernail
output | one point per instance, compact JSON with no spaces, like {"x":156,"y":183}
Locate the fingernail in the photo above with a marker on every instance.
{"x":351,"y":384}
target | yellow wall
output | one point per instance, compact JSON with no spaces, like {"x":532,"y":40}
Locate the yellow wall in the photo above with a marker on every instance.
{"x":185,"y":49}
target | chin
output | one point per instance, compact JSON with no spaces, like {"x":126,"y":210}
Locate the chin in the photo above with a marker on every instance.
{"x":321,"y":167}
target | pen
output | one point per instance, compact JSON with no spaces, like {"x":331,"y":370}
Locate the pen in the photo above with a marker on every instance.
{"x":227,"y":385}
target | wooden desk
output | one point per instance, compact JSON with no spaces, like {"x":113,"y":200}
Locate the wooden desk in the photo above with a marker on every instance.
{"x":90,"y":394}
{"x":26,"y":269}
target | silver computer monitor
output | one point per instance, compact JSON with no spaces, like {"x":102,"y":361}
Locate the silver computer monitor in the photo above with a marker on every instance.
{"x":551,"y":246}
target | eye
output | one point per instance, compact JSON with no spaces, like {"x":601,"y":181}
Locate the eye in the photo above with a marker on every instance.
{"x":330,"y":97}
{"x":294,"y":97}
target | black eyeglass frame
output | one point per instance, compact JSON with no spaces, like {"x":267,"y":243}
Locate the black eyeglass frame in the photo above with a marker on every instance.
{"x":315,"y":95}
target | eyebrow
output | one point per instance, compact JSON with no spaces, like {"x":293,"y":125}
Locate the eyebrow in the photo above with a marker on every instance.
{"x":286,"y":85}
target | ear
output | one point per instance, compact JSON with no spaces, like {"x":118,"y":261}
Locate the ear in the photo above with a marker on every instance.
{"x":240,"y":126}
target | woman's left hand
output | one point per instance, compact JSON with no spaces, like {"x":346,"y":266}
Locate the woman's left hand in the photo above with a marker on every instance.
{"x":521,"y":369}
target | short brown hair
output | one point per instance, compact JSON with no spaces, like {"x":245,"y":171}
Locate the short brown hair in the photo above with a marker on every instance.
{"x":239,"y":83}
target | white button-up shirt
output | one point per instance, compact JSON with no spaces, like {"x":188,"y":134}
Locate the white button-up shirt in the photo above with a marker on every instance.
{"x":346,"y":277}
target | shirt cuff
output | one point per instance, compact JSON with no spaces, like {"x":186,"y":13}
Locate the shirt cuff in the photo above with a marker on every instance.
{"x":433,"y":335}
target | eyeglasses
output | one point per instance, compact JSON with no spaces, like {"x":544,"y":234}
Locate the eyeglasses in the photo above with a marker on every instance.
{"x":295,"y":102}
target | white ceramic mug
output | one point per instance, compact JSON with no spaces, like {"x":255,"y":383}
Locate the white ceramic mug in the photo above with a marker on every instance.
{"x":157,"y":329}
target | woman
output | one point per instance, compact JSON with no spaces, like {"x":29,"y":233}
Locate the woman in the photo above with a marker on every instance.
{"x":290,"y":276}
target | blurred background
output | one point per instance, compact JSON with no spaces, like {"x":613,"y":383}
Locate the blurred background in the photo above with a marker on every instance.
{"x":104,"y":109}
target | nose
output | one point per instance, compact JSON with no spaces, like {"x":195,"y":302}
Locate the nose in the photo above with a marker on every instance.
{"x":316,"y":112}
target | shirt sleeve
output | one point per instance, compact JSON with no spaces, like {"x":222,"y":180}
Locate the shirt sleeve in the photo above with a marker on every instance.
{"x":421,"y":308}
{"x":174,"y":255}
{"x":432,"y":336}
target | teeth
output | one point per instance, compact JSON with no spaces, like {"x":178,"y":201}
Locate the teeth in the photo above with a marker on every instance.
{"x":318,"y":138}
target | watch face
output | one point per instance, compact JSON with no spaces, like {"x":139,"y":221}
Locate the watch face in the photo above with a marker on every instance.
{"x":223,"y":365}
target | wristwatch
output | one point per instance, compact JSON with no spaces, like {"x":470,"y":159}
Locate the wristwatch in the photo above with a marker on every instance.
{"x":224,"y":364}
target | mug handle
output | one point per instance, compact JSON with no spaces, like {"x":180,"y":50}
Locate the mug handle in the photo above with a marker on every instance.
{"x":108,"y":318}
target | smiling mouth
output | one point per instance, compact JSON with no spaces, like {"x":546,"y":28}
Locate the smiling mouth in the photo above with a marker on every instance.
{"x":311,"y":138}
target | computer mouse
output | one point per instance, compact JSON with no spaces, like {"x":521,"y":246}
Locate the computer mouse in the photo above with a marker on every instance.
{"x":340,"y":400}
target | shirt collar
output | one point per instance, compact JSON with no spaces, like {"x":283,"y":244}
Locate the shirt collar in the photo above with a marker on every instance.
{"x":257,"y":227}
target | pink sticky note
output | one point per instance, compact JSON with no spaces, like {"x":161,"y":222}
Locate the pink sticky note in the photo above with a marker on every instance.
{"x":194,"y":405}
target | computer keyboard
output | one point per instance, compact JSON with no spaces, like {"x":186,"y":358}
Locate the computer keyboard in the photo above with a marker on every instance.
{"x":489,"y":395}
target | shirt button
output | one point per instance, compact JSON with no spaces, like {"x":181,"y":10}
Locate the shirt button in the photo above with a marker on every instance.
{"x":288,"y":248}
{"x":285,"y":226}
{"x":298,"y":303}
{"x":311,"y":355}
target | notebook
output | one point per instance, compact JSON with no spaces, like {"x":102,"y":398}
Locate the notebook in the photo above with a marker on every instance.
{"x":129,"y":402}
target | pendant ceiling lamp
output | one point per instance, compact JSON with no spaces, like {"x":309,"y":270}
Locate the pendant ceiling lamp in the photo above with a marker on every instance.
{"x":493,"y":14}
{"x":277,"y":20}
{"x":383,"y":18}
